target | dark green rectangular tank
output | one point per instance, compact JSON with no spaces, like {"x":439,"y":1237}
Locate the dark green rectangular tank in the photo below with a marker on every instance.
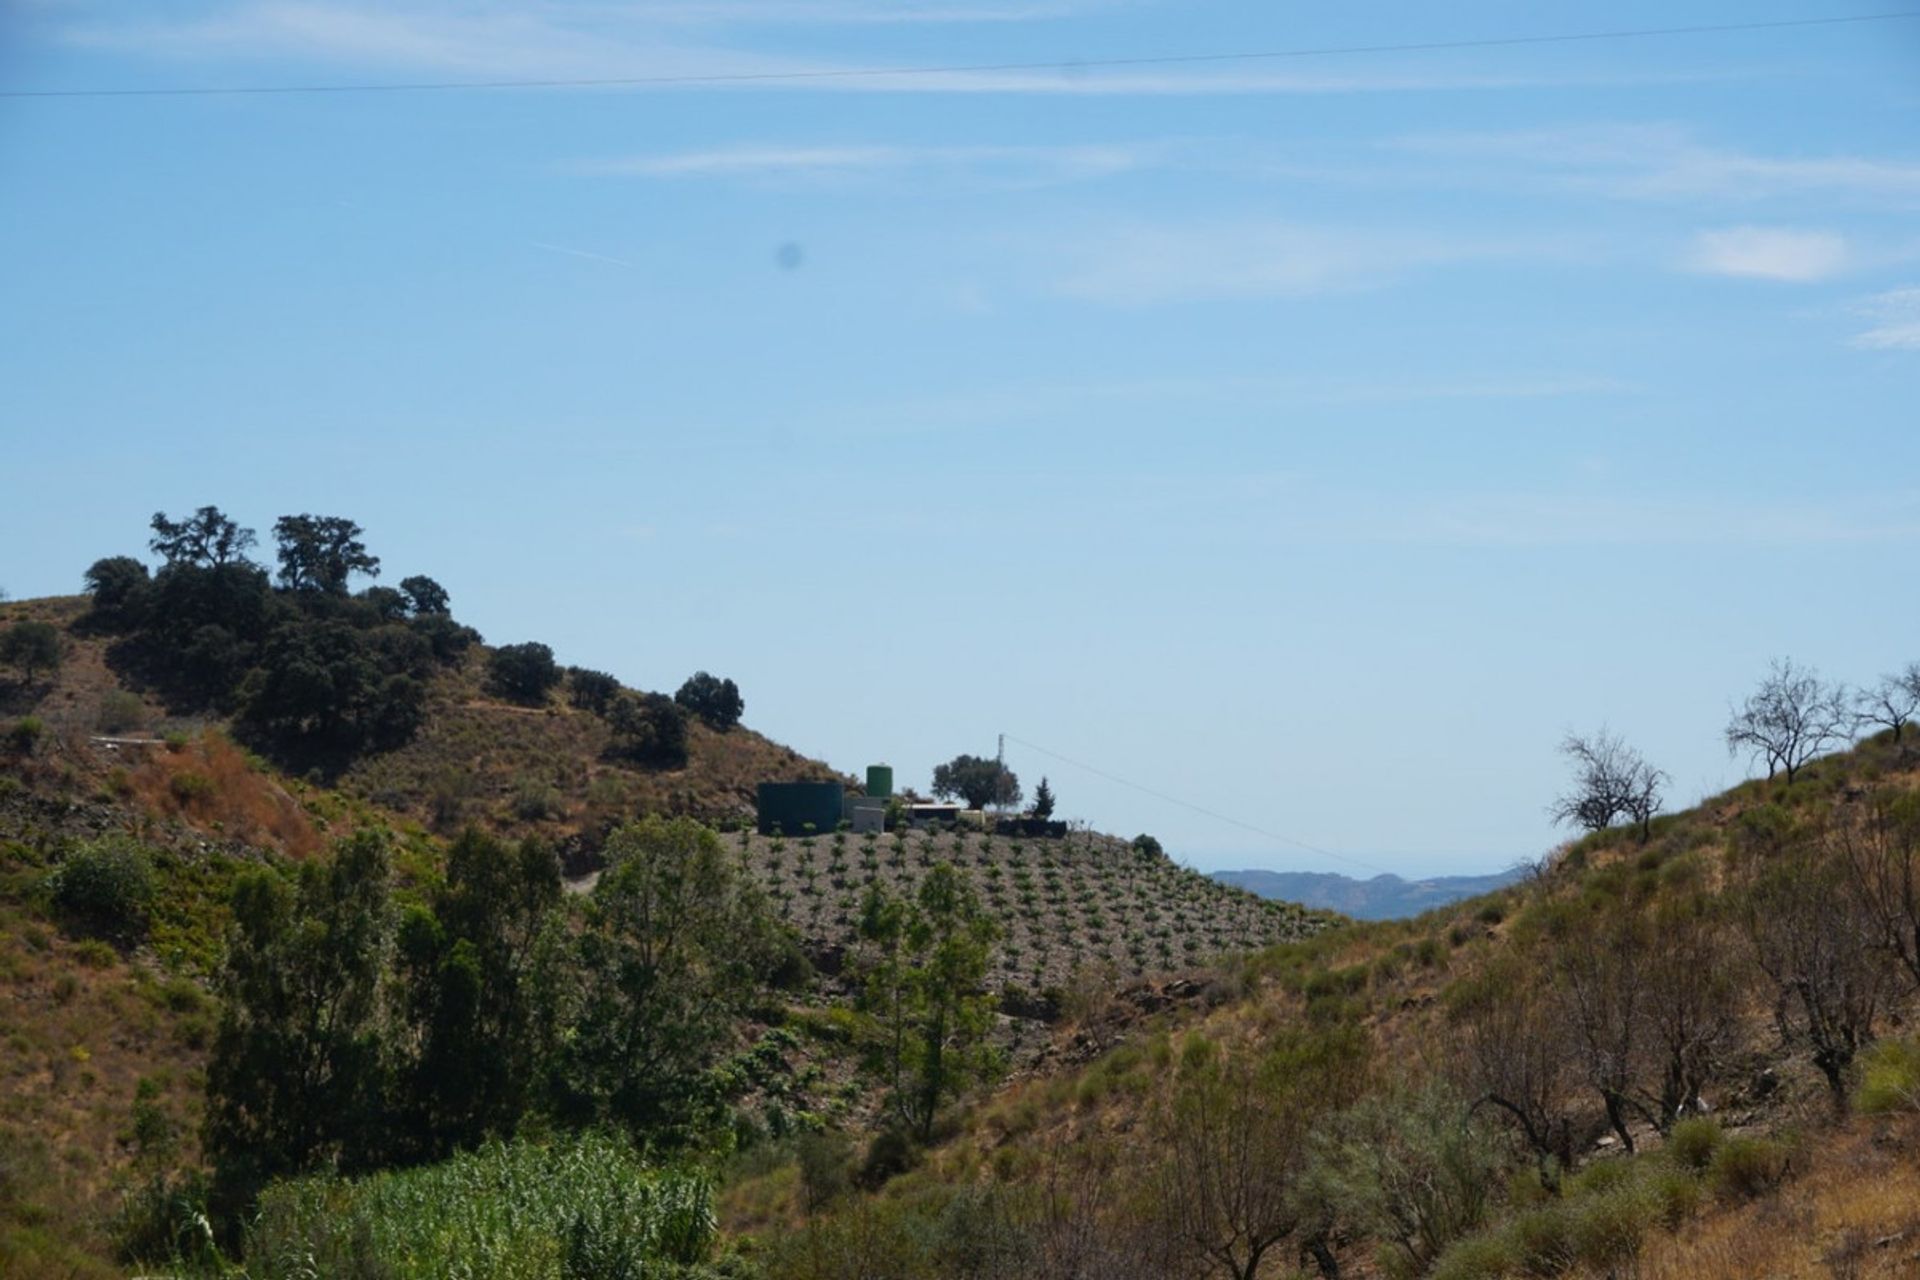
{"x":793,"y":806}
{"x":880,"y":781}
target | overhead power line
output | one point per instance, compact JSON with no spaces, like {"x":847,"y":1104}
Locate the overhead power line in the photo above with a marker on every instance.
{"x":1200,"y":809}
{"x":1056,"y":65}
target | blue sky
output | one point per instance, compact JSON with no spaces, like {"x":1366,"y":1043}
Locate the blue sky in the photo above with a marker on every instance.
{"x":1313,"y":439}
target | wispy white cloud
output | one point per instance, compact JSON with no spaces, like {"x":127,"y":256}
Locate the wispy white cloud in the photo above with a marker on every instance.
{"x":1179,"y":263}
{"x":691,"y":39}
{"x":1667,"y":162}
{"x":1770,"y":253}
{"x":1895,"y":316}
{"x":1009,"y":163}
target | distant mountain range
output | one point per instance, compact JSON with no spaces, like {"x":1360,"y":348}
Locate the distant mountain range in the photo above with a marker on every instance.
{"x":1385,"y":897}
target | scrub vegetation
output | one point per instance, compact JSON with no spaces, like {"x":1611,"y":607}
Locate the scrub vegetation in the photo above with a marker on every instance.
{"x":303,"y":994}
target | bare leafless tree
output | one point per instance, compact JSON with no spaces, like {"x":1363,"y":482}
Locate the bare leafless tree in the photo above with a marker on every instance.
{"x":1814,"y":941}
{"x":1235,"y":1139}
{"x":1510,"y":1054}
{"x":1601,"y":992}
{"x":1610,"y":781}
{"x":1880,"y":848}
{"x":1792,"y":717}
{"x":1690,"y":1005}
{"x":1890,"y":703}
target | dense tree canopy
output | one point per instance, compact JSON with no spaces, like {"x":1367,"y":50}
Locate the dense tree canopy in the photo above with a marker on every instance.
{"x":717,"y":702}
{"x":207,"y":539}
{"x":117,"y":585}
{"x":523,"y":672}
{"x":30,"y":648}
{"x":925,"y":968}
{"x":312,"y":674}
{"x":649,"y":728}
{"x":679,"y":940}
{"x":319,"y":553}
{"x":425,"y":596}
{"x":976,"y":780}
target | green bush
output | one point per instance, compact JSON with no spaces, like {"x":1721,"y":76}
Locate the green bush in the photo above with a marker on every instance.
{"x":1892,"y":1078}
{"x":1747,"y":1168}
{"x":1609,"y":1227}
{"x":826,"y":1169}
{"x":105,"y":887}
{"x":189,"y":788}
{"x":1484,"y":1257}
{"x":1676,"y":1196}
{"x":120,"y":711}
{"x":1694,"y":1142}
{"x":25,"y":735}
{"x":1543,"y":1240}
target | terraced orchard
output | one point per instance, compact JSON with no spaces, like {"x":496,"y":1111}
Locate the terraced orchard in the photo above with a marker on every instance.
{"x":1082,"y":901}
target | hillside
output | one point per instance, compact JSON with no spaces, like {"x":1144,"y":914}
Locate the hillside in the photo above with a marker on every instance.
{"x":1081,"y":904}
{"x":1383,"y":897}
{"x":109,"y":1038}
{"x":1432,"y":1096}
{"x":545,"y":769}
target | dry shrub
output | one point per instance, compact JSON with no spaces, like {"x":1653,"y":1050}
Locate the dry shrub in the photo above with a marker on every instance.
{"x":212,"y":784}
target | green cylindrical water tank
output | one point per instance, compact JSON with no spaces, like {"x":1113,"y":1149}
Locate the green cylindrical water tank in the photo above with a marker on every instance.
{"x":880,"y":780}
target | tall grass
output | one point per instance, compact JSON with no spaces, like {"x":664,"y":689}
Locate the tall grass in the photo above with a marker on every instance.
{"x":584,"y":1209}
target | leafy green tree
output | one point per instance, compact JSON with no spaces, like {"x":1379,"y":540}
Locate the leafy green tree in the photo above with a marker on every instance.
{"x":325,"y":687}
{"x":446,"y":638}
{"x":105,"y":887}
{"x":976,"y":780}
{"x":118,"y":585}
{"x":1411,"y":1167}
{"x":678,"y":942}
{"x":425,"y":597}
{"x":591,"y":690}
{"x":650,"y":728}
{"x":1043,"y":801}
{"x":924,"y":988}
{"x":202,"y":628}
{"x":384,"y":603}
{"x":207,"y":539}
{"x":471,"y":967}
{"x":523,"y":672}
{"x":717,"y":702}
{"x":296,"y":1079}
{"x":319,"y":553}
{"x":30,"y":648}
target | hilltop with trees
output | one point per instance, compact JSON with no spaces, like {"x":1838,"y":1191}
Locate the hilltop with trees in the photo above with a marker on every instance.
{"x":305,"y":981}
